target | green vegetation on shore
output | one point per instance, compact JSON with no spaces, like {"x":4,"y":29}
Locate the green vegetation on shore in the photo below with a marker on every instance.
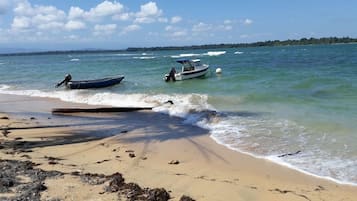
{"x":269,"y":43}
{"x":303,"y":41}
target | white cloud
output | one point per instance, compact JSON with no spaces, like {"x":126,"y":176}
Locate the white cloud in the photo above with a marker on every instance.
{"x":51,"y":26}
{"x":148,"y":13}
{"x":175,"y":32}
{"x":21,"y":23}
{"x":122,"y":17}
{"x":244,"y":36}
{"x":106,"y":29}
{"x":40,"y":17}
{"x":149,"y":9}
{"x":24,"y":8}
{"x":42,"y":20}
{"x":144,"y":20}
{"x":179,"y":33}
{"x":163,"y":19}
{"x":75,"y":12}
{"x":130,"y":28}
{"x":72,"y":37}
{"x":247,"y":21}
{"x":169,"y":28}
{"x":176,"y":19}
{"x":106,"y":8}
{"x":201,"y":27}
{"x":75,"y":25}
{"x":227,"y":22}
{"x":227,"y":25}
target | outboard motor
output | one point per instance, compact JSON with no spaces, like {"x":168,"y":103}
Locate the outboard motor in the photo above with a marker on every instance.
{"x":67,"y":78}
{"x":171,"y":75}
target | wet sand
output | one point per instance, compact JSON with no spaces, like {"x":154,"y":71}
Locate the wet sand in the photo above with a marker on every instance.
{"x":150,"y":149}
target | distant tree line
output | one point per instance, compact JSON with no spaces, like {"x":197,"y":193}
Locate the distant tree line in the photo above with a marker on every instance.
{"x":302,"y":41}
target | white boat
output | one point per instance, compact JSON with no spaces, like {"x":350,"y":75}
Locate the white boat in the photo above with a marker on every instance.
{"x":190,"y":69}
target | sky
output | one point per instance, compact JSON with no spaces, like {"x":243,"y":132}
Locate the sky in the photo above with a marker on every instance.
{"x":118,"y":24}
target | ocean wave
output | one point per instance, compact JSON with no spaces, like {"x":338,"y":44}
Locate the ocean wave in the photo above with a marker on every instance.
{"x":126,"y":54}
{"x":238,"y":52}
{"x":210,"y":53}
{"x":183,"y":105}
{"x":144,"y":57}
{"x":257,"y":137}
{"x":75,"y":59}
{"x":4,"y":87}
{"x":145,"y":54}
{"x":215,"y":53}
{"x":185,"y":55}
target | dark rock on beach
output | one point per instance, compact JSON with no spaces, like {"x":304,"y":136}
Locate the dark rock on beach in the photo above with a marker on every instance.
{"x":116,"y":183}
{"x":132,"y":191}
{"x":174,"y":162}
{"x":10,"y":170}
{"x":158,"y":194}
{"x":186,"y":198}
{"x":93,"y":179}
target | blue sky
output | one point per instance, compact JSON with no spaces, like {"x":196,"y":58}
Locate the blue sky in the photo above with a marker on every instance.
{"x":117,"y":24}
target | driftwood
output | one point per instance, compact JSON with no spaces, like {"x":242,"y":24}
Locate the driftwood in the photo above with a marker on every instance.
{"x":102,"y":109}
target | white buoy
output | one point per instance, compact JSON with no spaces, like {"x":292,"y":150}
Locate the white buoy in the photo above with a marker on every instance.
{"x":218,"y":70}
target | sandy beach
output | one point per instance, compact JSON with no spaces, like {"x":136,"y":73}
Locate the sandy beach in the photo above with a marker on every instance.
{"x":150,"y":149}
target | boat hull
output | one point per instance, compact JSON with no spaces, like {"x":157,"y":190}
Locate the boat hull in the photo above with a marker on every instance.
{"x":90,"y":84}
{"x":192,"y":74}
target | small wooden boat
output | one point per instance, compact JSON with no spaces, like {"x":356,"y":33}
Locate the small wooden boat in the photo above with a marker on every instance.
{"x":89,"y":84}
{"x":190,"y":69}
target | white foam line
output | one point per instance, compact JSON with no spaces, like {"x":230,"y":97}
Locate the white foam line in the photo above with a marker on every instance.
{"x":278,"y":161}
{"x":144,"y":57}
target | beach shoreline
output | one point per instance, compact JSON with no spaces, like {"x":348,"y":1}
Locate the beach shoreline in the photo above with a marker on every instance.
{"x":151,"y":149}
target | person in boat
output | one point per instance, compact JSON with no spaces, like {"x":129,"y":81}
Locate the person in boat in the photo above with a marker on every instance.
{"x":67,"y":78}
{"x":171,"y":75}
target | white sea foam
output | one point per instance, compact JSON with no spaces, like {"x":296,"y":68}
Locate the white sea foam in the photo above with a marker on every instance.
{"x":280,"y":161}
{"x":215,"y":53}
{"x":235,"y":134}
{"x":210,"y":53}
{"x":144,"y":57}
{"x":75,"y":59}
{"x":4,"y":87}
{"x":126,"y":54}
{"x":183,"y":104}
{"x":185,"y":55}
{"x":238,"y":52}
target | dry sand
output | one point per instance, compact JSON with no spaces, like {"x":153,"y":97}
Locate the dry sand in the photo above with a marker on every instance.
{"x":102,"y":143}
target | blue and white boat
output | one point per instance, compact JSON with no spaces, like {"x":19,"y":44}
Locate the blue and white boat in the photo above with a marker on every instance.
{"x":190,"y":69}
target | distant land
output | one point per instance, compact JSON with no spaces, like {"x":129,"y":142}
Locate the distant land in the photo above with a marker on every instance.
{"x":269,"y":43}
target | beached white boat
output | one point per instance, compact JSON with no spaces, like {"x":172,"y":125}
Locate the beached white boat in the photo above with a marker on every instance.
{"x":190,"y":69}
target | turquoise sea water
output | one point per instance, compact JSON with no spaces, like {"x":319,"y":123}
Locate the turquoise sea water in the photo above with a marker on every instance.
{"x":269,"y":100}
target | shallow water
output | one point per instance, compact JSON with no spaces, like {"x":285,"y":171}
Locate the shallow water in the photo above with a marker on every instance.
{"x":269,"y":100}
